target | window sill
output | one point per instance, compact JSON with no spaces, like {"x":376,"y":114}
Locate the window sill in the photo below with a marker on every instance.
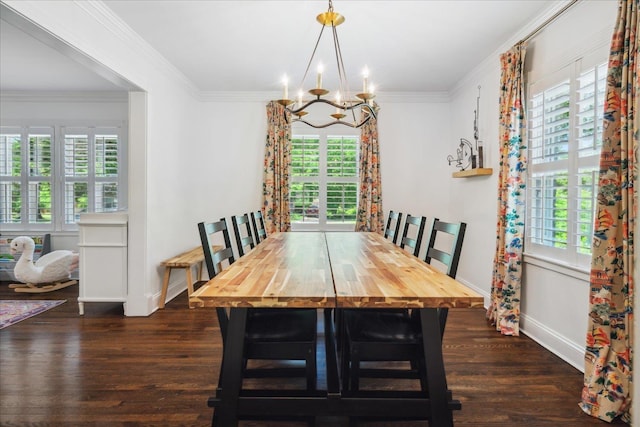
{"x":577,"y":272}
{"x":297,"y":226}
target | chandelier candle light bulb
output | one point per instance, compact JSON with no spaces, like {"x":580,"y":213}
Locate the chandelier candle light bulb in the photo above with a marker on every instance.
{"x":338,"y":102}
{"x":285,"y":82}
{"x":319,"y":78}
{"x":300,"y":93}
{"x":365,"y":80}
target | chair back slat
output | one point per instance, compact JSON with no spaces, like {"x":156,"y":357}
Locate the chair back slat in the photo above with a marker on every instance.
{"x":415,"y":240}
{"x":392,"y":230}
{"x":246,"y":240}
{"x":259,"y":230}
{"x":449,"y":258}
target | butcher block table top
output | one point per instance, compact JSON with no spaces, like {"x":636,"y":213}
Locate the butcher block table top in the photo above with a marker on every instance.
{"x":332,"y":269}
{"x":289,"y":270}
{"x":370,"y":271}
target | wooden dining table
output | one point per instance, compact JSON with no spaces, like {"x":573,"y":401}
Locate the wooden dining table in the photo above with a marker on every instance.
{"x":329,"y":271}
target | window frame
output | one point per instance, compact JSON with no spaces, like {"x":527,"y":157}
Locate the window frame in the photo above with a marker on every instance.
{"x":323,"y":134}
{"x":58,"y":178}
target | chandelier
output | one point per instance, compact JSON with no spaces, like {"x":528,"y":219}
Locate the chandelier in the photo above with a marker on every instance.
{"x":353,"y":112}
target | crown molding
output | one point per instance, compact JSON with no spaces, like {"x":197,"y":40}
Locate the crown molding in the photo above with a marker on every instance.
{"x":114,"y":24}
{"x":238,"y":96}
{"x":436,"y":97}
{"x":382,"y":97}
{"x":54,"y":96}
{"x":211,"y":96}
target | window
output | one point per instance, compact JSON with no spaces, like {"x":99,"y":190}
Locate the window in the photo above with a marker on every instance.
{"x":50,"y":175}
{"x":324,"y":181}
{"x":565,"y":113}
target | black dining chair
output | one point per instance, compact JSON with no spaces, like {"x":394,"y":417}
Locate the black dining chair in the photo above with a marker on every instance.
{"x":244,"y":239}
{"x":449,"y":258}
{"x":413,"y":240}
{"x":271,"y":334}
{"x":392,"y":230}
{"x":259,"y":230}
{"x":376,"y":336}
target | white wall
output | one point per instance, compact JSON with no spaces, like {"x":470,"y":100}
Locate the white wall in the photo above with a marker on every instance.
{"x":232,"y":149}
{"x":66,"y":109}
{"x":413,"y":155}
{"x":554,"y":305}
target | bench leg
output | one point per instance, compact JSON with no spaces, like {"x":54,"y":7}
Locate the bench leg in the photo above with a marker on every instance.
{"x":165,"y":287}
{"x":189,"y":283}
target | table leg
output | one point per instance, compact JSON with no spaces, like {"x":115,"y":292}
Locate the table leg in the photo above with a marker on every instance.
{"x":231,"y":375}
{"x":441,"y":415}
{"x":333,"y":376}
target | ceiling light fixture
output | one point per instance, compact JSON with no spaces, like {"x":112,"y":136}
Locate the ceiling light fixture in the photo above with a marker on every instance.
{"x":361,"y":109}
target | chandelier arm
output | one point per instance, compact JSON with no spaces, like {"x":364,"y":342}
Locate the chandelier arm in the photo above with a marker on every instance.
{"x":313,"y":54}
{"x":344,"y":84}
{"x":351,"y":107}
{"x":336,"y":122}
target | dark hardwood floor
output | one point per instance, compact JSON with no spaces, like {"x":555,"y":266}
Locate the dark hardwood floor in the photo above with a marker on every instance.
{"x":104,"y":369}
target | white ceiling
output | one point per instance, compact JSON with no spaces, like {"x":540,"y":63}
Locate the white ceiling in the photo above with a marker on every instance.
{"x":408,"y":46}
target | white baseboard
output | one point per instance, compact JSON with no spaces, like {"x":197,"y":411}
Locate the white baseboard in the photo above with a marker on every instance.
{"x":561,"y":346}
{"x":175,"y":289}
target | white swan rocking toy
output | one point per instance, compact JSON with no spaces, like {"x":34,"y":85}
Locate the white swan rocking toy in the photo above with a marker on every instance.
{"x":49,"y":273}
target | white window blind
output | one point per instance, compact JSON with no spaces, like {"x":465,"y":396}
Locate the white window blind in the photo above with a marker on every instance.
{"x":10,"y":177}
{"x":305,"y":179}
{"x":342,"y":179}
{"x":565,"y":136}
{"x":92,"y":163}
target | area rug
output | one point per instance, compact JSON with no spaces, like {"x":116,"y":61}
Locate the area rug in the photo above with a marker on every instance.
{"x":14,"y":311}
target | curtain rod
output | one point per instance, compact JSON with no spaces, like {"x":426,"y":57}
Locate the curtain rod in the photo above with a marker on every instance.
{"x":548,"y":21}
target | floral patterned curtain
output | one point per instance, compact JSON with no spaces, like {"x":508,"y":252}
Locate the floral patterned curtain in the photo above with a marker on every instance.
{"x":277,"y":159}
{"x":370,"y":214}
{"x":504,"y":308}
{"x":607,"y":391}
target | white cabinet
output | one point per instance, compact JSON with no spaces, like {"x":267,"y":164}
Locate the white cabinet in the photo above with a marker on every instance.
{"x":103,"y":258}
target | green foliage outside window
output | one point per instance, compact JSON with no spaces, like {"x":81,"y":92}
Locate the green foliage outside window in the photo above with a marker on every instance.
{"x":560,"y":211}
{"x":40,"y":165}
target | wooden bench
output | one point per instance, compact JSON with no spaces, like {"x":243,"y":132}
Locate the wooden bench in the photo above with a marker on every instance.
{"x":186,"y":261}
